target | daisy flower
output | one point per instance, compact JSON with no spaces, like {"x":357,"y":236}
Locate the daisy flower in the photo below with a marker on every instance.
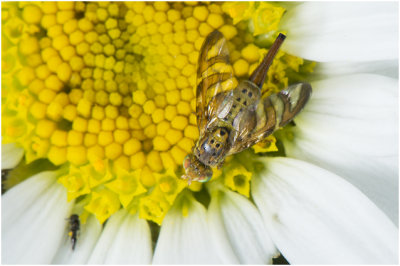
{"x":98,"y":113}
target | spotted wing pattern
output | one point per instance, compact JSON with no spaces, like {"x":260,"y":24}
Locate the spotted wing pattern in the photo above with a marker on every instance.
{"x":275,"y":112}
{"x":214,"y":75}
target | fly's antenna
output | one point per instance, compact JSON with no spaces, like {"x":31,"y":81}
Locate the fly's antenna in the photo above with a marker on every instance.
{"x":259,"y":74}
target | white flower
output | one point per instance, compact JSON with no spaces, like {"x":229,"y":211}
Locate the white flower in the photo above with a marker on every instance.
{"x":306,"y":208}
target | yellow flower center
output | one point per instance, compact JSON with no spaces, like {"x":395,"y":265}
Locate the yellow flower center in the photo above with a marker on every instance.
{"x":107,"y":89}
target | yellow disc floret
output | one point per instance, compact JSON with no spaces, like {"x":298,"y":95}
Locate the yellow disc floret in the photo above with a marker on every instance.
{"x":103,"y":204}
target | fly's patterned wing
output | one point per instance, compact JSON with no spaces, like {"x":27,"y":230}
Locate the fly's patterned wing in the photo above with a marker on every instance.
{"x":214,"y":75}
{"x":275,"y":112}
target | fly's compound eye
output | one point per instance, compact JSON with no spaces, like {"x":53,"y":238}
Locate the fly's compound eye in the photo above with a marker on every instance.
{"x":206,"y":177}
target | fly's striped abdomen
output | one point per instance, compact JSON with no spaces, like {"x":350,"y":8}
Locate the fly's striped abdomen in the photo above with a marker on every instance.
{"x":289,"y":102}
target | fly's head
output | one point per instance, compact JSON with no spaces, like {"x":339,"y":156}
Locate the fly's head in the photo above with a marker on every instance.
{"x":195,"y":170}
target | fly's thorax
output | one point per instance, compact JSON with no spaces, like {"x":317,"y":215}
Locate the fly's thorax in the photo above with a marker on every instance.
{"x":247,"y":94}
{"x":245,"y":97}
{"x":237,"y":111}
{"x":211,"y":148}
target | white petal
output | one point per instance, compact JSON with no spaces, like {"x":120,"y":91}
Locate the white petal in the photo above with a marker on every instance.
{"x":107,"y":237}
{"x":33,"y":220}
{"x":315,"y":217}
{"x":186,"y":239}
{"x":87,"y":238}
{"x":11,"y":155}
{"x":17,"y":200}
{"x":342,"y":31}
{"x":350,"y":127}
{"x":234,"y":219}
{"x":126,"y":239}
{"x":388,"y":68}
{"x":133,"y":235}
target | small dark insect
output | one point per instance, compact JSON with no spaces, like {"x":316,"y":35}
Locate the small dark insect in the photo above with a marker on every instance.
{"x":233,"y":118}
{"x":74,"y":225}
